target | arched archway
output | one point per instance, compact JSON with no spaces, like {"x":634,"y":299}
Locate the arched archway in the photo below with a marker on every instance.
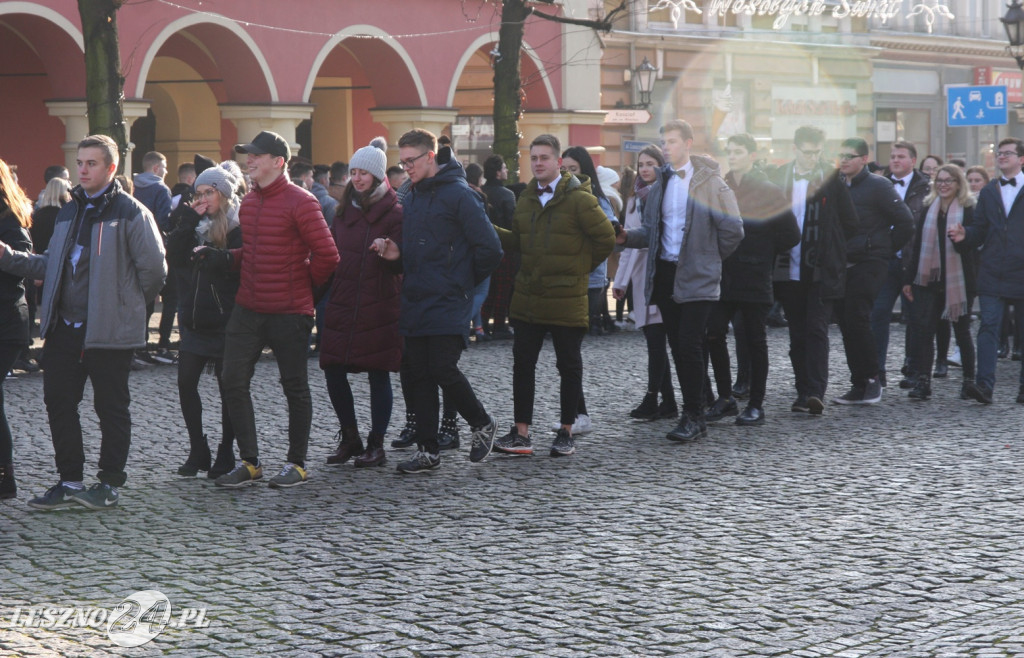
{"x":42,"y":55}
{"x":472,"y":93}
{"x":194,"y":66}
{"x":358,"y":69}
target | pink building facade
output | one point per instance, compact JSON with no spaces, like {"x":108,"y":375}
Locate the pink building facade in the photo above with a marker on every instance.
{"x":201,"y":76}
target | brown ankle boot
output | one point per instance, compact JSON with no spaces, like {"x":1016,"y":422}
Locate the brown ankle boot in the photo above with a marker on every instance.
{"x":350,"y":446}
{"x":374,"y":455}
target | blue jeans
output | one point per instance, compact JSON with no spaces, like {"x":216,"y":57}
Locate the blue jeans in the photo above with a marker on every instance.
{"x":881,"y":313}
{"x":992,"y":309}
{"x":479,"y":296}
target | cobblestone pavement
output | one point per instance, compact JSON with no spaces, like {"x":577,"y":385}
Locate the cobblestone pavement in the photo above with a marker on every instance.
{"x":891,"y":530}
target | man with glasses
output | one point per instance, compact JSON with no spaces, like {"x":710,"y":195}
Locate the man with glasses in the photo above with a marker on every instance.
{"x":998,"y":228}
{"x":448,"y":247}
{"x":911,"y":186}
{"x":884,"y":226}
{"x":811,"y":276}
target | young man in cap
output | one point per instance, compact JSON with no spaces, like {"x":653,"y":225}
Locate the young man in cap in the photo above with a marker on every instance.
{"x":287,"y":252}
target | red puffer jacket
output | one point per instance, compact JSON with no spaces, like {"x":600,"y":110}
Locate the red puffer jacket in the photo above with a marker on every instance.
{"x":286,"y":249}
{"x":361,"y":317}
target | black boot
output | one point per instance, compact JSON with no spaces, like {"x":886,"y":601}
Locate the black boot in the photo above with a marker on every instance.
{"x":198,"y":458}
{"x":408,"y":435}
{"x":8,"y":488}
{"x":922,"y":390}
{"x":350,"y":445}
{"x":374,"y":454}
{"x":648,"y":409}
{"x":448,"y":436}
{"x":225,"y":461}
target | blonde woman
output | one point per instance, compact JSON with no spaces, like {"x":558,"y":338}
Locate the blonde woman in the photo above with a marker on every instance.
{"x":939,"y":276}
{"x":15,"y":220}
{"x":206,"y":297}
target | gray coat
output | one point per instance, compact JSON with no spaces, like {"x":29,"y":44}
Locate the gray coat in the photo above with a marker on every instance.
{"x":713,"y":231}
{"x":126,"y":268}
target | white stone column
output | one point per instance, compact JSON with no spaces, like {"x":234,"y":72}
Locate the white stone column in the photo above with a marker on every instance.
{"x":401,"y":120}
{"x":282,"y":119}
{"x":76,"y":128}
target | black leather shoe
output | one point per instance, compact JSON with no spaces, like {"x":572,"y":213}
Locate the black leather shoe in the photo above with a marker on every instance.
{"x":800,"y":405}
{"x":667,"y":409}
{"x":908,"y":382}
{"x":750,"y":416}
{"x":741,"y":389}
{"x":941,"y":370}
{"x":978,"y":392}
{"x":688,"y":430}
{"x":721,"y":408}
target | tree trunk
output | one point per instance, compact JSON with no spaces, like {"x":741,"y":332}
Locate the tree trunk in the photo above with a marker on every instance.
{"x":508,"y":104}
{"x":104,"y":83}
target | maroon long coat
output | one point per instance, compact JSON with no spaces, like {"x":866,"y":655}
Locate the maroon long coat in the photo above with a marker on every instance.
{"x":361,"y":317}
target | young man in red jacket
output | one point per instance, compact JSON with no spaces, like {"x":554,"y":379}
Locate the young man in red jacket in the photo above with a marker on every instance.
{"x":287,"y":252}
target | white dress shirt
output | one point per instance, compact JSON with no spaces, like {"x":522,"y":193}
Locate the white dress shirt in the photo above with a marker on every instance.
{"x":673,"y":213}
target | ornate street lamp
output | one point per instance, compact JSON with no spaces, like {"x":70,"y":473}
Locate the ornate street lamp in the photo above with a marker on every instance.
{"x":644,"y":76}
{"x":1013,"y":21}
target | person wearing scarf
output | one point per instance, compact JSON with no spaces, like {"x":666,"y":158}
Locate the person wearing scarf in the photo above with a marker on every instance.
{"x":940,"y":280}
{"x":633,"y":269}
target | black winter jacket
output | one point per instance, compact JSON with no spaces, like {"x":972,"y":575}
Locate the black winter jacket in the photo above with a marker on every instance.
{"x":830,"y":207}
{"x":769,"y":229}
{"x":885,"y":222}
{"x":13,"y":307}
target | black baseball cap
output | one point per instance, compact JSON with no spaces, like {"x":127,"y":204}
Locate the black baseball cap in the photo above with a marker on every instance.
{"x":266,"y":142}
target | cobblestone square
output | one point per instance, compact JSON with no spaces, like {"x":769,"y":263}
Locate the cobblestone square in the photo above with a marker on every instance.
{"x":891,"y":530}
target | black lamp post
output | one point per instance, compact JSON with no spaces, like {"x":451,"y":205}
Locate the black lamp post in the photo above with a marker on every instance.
{"x":1013,"y":21}
{"x":643,"y":76}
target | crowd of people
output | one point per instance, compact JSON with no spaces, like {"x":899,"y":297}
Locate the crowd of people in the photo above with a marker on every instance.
{"x":399,"y":268}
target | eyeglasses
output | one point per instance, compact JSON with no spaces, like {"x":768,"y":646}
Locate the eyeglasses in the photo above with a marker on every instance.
{"x":945,"y":181}
{"x":407,"y":164}
{"x":844,"y":157}
{"x":1006,"y":154}
{"x":810,"y":153}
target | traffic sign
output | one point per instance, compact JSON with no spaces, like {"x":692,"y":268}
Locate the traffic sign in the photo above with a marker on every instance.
{"x":634,"y":145}
{"x":627,"y":116}
{"x":976,"y":106}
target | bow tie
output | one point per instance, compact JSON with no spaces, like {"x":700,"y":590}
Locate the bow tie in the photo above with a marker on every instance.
{"x":682,"y":174}
{"x":898,"y":181}
{"x":808,"y":176}
{"x":545,"y":190}
{"x":1008,"y":181}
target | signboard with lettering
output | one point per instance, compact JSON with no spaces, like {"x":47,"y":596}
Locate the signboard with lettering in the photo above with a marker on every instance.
{"x":634,"y":145}
{"x":627,"y":116}
{"x":986,"y":75}
{"x":833,"y":109}
{"x":976,"y":106}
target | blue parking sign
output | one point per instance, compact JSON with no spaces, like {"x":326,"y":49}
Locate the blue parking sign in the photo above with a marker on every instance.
{"x":976,"y":106}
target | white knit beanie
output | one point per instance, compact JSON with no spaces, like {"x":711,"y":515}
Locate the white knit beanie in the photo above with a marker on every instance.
{"x":371,"y":159}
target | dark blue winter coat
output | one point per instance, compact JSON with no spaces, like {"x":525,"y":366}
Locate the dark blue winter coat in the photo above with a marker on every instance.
{"x":448,"y":247}
{"x":1001,"y":238}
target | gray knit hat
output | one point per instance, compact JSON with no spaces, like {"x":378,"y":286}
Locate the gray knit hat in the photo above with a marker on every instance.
{"x":371,"y":159}
{"x":220,"y":178}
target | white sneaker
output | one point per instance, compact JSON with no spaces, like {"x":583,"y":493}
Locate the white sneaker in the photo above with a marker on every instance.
{"x":582,"y":425}
{"x":954,"y":359}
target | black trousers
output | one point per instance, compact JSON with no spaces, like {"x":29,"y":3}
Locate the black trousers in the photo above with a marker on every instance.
{"x":9,"y":352}
{"x":66,"y":366}
{"x":808,"y":316}
{"x":526,"y":346}
{"x":190,"y":369}
{"x":685,"y":325}
{"x":929,"y":302}
{"x":659,"y":372}
{"x":433,"y":362}
{"x":753,"y":318}
{"x":863,"y":282}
